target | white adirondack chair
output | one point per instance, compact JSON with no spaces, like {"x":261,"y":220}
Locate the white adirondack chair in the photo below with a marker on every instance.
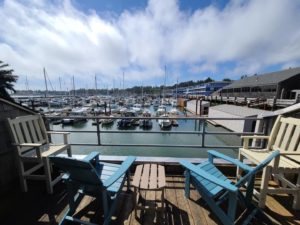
{"x":33,"y":148}
{"x":285,"y":137}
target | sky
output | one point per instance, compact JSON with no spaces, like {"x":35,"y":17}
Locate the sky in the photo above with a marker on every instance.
{"x":146,"y":40}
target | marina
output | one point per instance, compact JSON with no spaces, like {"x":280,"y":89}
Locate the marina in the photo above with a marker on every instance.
{"x":122,"y":133}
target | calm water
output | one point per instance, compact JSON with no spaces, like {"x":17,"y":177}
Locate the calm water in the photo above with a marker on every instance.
{"x":147,"y":138}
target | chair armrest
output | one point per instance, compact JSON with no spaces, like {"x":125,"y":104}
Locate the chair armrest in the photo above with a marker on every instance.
{"x":123,"y":169}
{"x":65,"y":135}
{"x":57,"y":132}
{"x":247,"y":138}
{"x":255,"y":137}
{"x":212,"y":154}
{"x":28,"y":144}
{"x":92,"y":156}
{"x":207,"y":176}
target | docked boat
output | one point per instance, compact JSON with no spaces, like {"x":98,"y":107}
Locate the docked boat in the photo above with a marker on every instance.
{"x":165,"y":122}
{"x":124,"y":123}
{"x":162,"y":109}
{"x":146,"y":123}
{"x":108,"y":121}
{"x":137,"y":108}
{"x":174,"y":103}
{"x":174,"y":111}
{"x":79,"y":112}
{"x":155,"y":104}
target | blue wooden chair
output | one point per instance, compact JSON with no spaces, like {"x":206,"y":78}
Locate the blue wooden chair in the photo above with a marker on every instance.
{"x":216,"y":189}
{"x":91,"y":177}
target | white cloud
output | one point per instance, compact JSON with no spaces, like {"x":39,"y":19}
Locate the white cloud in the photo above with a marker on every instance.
{"x":251,"y":34}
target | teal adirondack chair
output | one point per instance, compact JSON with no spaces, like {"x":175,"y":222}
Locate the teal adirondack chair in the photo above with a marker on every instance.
{"x":215,"y":188}
{"x":91,"y":177}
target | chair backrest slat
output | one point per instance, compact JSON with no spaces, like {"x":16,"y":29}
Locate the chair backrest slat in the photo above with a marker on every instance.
{"x":279,"y":136}
{"x":287,"y":137}
{"x":26,"y":132}
{"x":33,"y":132}
{"x":295,"y":139}
{"x":274,"y":133}
{"x":38,"y":130}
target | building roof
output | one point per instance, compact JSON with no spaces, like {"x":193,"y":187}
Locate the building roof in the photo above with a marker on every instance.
{"x":265,"y":79}
{"x":14,"y":104}
{"x":241,"y":111}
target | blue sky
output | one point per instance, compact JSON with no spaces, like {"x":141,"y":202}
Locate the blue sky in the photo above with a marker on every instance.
{"x":194,"y":39}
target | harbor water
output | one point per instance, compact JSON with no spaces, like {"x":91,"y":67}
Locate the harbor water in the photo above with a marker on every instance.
{"x":150,"y":138}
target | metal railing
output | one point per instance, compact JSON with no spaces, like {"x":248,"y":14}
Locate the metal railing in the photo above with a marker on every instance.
{"x":203,"y":132}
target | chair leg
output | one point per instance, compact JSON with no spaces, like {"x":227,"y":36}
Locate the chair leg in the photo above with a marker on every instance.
{"x":232,"y":205}
{"x":23,"y":180}
{"x":264,"y":186}
{"x":47,"y":170}
{"x":238,"y":170}
{"x":69,"y":152}
{"x":296,"y":203}
{"x":187,"y":184}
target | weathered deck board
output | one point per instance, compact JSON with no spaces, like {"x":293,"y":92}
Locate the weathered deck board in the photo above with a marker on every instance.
{"x":36,"y":207}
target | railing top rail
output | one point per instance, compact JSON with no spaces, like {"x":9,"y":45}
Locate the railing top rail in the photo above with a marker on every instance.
{"x":156,"y":117}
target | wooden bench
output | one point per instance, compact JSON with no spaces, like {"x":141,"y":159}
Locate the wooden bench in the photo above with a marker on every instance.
{"x":33,"y":149}
{"x":149,"y":178}
{"x":285,"y":137}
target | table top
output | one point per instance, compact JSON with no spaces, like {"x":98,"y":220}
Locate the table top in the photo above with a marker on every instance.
{"x":149,"y":177}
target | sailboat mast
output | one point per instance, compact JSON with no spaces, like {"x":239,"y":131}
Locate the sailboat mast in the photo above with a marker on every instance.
{"x":45,"y":83}
{"x":73,"y":86}
{"x":96,"y":84}
{"x":176,"y":87}
{"x":60,"y":84}
{"x":165,"y":83}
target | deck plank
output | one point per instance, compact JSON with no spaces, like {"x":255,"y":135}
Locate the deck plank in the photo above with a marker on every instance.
{"x":182,"y":202}
{"x":38,"y":208}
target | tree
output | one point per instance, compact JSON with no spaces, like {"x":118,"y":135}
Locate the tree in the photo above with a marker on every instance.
{"x":207,"y":80}
{"x":227,"y":80}
{"x":6,"y":81}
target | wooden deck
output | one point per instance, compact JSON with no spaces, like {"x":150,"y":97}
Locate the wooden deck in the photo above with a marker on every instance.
{"x":37,"y":207}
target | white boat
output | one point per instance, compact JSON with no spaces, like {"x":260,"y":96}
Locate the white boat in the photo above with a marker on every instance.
{"x":174,"y":111}
{"x":161,"y":110}
{"x":174,"y":103}
{"x":155,"y":104}
{"x":123,"y":110}
{"x":164,"y":122}
{"x":137,"y":108}
{"x":108,"y":121}
{"x":147,"y":104}
{"x":79,"y":112}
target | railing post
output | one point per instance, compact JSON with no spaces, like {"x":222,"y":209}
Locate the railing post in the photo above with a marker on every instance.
{"x":203,"y":134}
{"x":98,"y":131}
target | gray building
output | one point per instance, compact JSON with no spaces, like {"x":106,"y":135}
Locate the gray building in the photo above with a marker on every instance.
{"x":280,"y":85}
{"x":233,"y":111}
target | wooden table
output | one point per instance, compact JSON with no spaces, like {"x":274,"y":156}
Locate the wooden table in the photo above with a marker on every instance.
{"x":149,"y":178}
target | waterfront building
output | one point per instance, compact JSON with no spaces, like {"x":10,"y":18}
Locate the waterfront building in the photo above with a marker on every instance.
{"x":206,"y":89}
{"x":283,"y":84}
{"x":200,"y":90}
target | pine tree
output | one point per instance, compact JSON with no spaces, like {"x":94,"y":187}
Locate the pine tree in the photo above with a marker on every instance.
{"x":6,"y":81}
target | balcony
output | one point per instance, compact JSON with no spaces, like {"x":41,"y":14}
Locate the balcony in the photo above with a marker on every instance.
{"x":36,"y":207}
